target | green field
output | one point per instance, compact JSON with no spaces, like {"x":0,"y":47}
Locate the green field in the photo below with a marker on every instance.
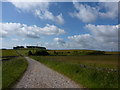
{"x":88,"y":77}
{"x":92,"y":71}
{"x":13,"y":66}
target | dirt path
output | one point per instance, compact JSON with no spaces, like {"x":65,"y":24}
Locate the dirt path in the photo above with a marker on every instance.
{"x":40,"y":76}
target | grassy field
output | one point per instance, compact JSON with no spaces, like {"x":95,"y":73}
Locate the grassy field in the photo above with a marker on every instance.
{"x":106,"y":61}
{"x":13,"y":66}
{"x":9,"y":53}
{"x":91,"y":78}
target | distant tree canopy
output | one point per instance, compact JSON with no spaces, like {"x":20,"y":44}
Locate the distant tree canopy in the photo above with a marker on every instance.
{"x":36,"y":47}
{"x":78,"y":53}
{"x":39,"y":53}
{"x":96,"y":53}
{"x":18,"y":47}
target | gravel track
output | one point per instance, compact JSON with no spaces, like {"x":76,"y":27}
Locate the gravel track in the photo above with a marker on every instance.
{"x":38,"y":75}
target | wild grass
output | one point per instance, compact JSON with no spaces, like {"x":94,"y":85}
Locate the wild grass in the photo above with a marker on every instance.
{"x":91,"y":78}
{"x":105,"y":61}
{"x":9,"y":53}
{"x":13,"y":68}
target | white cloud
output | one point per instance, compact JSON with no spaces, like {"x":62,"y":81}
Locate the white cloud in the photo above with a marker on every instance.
{"x":59,"y":41}
{"x":111,"y":10}
{"x":41,"y":10}
{"x":103,"y":37}
{"x":88,"y":13}
{"x":29,"y":31}
{"x":15,"y":39}
{"x":84,"y":12}
{"x":100,"y":37}
{"x":106,"y":33}
{"x":82,"y":41}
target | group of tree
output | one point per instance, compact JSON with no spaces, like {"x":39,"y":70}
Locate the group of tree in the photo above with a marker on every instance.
{"x":38,"y":53}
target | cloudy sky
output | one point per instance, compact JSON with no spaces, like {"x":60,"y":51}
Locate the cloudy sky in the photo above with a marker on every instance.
{"x":60,"y":25}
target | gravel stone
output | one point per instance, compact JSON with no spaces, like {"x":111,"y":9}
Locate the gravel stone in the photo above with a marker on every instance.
{"x":38,"y":75}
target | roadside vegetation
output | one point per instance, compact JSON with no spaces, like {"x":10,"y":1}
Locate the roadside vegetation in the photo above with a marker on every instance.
{"x":13,"y":67}
{"x":84,"y":75}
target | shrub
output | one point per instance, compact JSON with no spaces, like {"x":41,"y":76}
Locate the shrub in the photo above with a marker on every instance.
{"x":96,"y":53}
{"x":30,"y":53}
{"x":41,"y":52}
{"x":55,"y":53}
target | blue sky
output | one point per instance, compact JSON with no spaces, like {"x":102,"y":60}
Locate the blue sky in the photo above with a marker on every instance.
{"x":63,"y":25}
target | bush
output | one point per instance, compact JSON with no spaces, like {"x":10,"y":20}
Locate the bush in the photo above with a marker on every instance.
{"x":30,"y":53}
{"x":55,"y":53}
{"x":96,"y":53}
{"x":41,"y":52}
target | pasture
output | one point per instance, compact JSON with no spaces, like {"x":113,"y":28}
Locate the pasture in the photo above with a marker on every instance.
{"x":13,"y":66}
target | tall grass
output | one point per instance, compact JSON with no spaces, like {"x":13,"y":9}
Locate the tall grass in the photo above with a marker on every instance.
{"x":12,"y":70}
{"x":91,"y":78}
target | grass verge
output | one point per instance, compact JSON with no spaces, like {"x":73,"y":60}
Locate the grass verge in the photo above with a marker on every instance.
{"x":12,"y":71}
{"x":90,"y":78}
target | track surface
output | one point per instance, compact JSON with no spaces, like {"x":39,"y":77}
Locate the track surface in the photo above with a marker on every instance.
{"x":38,"y":75}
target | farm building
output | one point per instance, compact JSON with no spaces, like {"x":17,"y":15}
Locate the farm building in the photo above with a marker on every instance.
{"x":37,"y":47}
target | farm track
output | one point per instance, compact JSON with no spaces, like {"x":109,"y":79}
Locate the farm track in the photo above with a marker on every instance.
{"x":38,"y":75}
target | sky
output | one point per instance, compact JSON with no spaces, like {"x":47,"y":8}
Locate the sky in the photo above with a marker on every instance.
{"x":60,"y":25}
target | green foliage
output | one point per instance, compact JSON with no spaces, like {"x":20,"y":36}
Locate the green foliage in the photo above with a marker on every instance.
{"x":91,"y":78}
